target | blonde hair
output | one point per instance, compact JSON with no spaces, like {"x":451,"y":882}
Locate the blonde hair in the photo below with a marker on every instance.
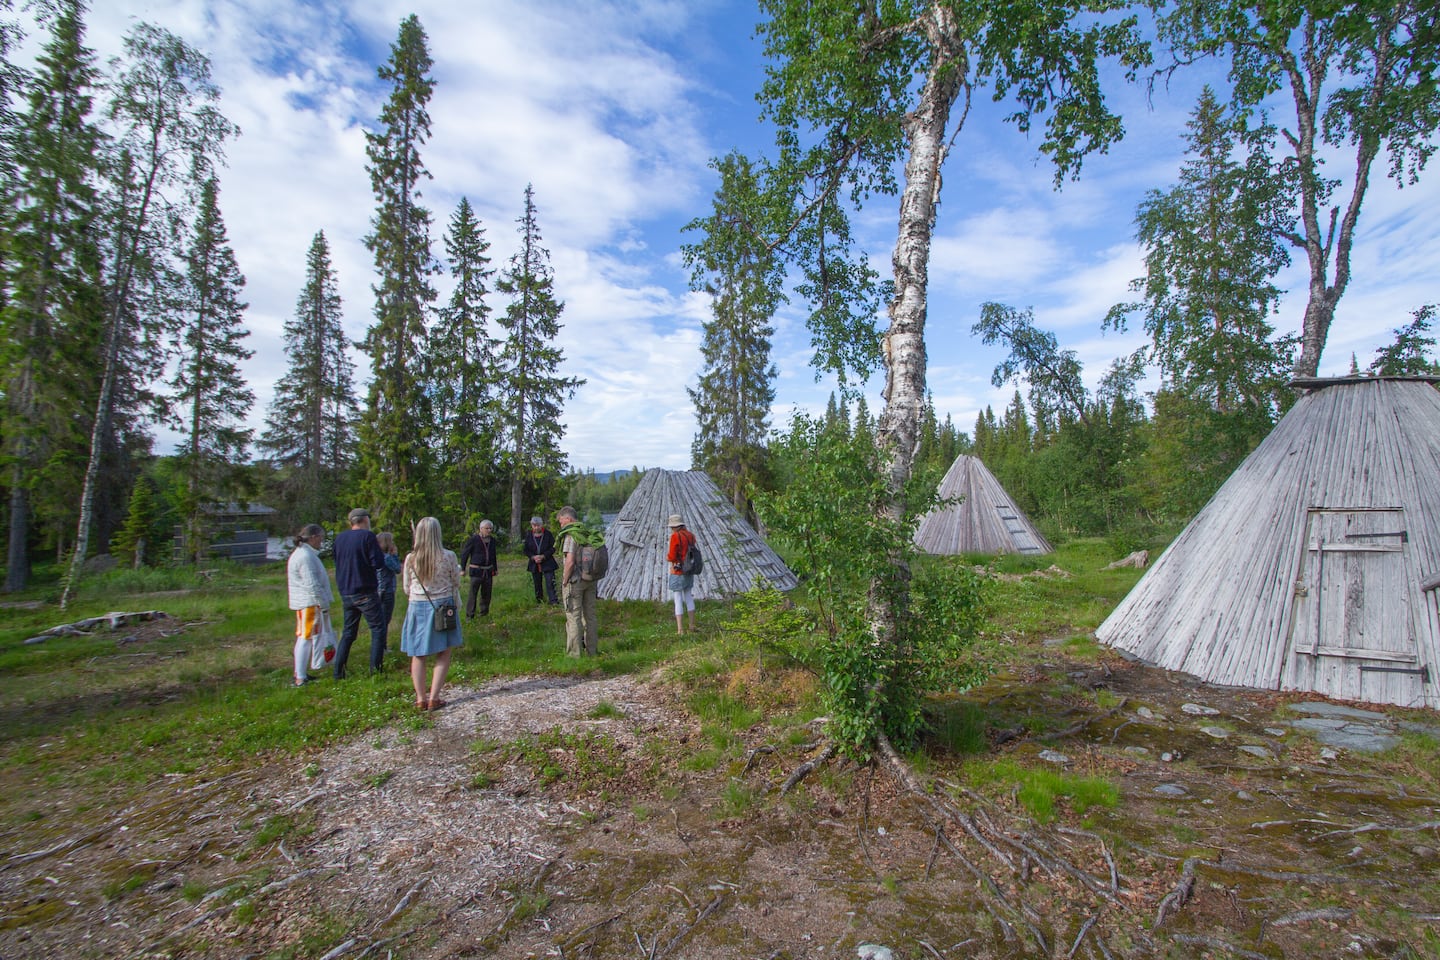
{"x":428,"y":556}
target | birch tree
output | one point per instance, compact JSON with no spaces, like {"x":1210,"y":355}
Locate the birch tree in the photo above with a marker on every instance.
{"x":1349,"y":78}
{"x":169,"y":134}
{"x":854,"y":91}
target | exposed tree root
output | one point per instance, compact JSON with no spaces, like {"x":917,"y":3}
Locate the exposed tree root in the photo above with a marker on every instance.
{"x":1176,"y":898}
{"x":808,"y":767}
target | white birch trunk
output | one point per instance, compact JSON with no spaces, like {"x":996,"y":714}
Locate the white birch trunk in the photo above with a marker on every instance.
{"x":898,"y":431}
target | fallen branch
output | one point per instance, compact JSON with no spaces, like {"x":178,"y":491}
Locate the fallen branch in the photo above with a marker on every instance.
{"x":1084,"y":929}
{"x":405,"y":901}
{"x":1305,"y":916}
{"x":1372,"y":827}
{"x":1218,"y":944}
{"x":750,"y":760}
{"x":111,"y":621}
{"x":1076,"y":728}
{"x":806,"y":768}
{"x":675,"y":940}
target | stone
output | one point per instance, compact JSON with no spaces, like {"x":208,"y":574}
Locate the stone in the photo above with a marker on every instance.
{"x":1257,"y":751}
{"x":1145,"y":713}
{"x":1052,"y":756}
{"x":1219,"y":733}
{"x":1137,"y":751}
{"x":1245,"y":795}
{"x":1196,"y":710}
{"x":1347,"y":735}
{"x":1167,"y":756}
{"x":1423,"y":852}
{"x":1276,"y":731}
{"x":1319,"y":708}
{"x":873,"y":951}
{"x":1171,"y":790}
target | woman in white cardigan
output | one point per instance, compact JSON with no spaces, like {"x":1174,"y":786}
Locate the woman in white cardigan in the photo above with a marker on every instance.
{"x":431,"y":577}
{"x":309,"y":596}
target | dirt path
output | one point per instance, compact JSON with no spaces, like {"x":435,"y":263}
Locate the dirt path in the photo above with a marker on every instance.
{"x":548,"y":817}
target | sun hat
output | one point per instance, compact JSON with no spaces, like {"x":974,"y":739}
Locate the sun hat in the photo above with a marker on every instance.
{"x":675,"y":521}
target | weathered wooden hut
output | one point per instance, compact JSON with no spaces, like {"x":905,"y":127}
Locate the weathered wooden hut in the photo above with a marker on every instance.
{"x":979,"y":516}
{"x":1316,"y":566}
{"x":736,"y":558}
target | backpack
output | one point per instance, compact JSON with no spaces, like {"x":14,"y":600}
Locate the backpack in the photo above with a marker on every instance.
{"x":594,"y":561}
{"x":692,"y":562}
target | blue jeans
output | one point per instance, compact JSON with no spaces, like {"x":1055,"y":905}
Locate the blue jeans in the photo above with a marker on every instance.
{"x":387,"y":611}
{"x":357,"y":605}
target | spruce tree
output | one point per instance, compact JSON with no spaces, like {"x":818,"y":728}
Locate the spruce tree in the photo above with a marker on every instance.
{"x":309,"y":429}
{"x":211,"y":398}
{"x":737,"y":384}
{"x":51,"y":272}
{"x":396,"y":431}
{"x":529,"y":361}
{"x":462,"y":358}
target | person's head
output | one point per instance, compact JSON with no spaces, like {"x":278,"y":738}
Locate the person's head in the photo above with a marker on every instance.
{"x":537,"y":524}
{"x":675,"y":522}
{"x":486,"y":528}
{"x":429,"y":550}
{"x":567,"y":516}
{"x":311,"y":533}
{"x":359,"y":519}
{"x":386,"y":541}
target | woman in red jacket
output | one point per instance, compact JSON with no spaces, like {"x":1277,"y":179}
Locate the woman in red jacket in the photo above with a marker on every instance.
{"x":681,"y":583}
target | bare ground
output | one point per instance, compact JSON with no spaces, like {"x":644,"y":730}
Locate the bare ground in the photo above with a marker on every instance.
{"x":546,"y":817}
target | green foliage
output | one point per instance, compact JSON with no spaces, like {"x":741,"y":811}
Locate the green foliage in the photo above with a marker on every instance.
{"x":829,"y":515}
{"x":744,"y":277}
{"x":310,"y":427}
{"x":585,"y":760}
{"x":144,"y":531}
{"x":529,"y":363}
{"x":1410,"y":354}
{"x":396,"y":429}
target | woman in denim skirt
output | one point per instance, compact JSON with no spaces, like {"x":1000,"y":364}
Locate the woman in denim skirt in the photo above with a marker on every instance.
{"x":431,"y":576}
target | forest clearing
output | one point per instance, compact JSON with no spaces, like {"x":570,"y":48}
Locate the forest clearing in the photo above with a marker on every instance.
{"x":167,"y":794}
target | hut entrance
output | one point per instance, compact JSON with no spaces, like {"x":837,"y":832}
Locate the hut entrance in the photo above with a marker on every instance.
{"x":1351,"y":627}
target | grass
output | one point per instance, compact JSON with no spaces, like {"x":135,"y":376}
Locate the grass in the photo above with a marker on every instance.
{"x":1038,"y":789}
{"x":98,"y":711}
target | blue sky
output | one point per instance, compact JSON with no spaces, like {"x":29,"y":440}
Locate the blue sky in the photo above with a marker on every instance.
{"x":612,"y":111}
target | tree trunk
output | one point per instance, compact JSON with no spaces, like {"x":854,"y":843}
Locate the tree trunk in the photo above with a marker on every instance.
{"x":17,"y":563}
{"x":898,"y":431}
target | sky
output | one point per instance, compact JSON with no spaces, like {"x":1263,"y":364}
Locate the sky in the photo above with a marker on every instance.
{"x":613,"y":111}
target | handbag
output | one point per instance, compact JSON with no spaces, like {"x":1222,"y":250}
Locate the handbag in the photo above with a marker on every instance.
{"x":322,"y":645}
{"x":444,"y":616}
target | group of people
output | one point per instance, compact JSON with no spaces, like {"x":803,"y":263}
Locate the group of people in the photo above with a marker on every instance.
{"x":366,"y":564}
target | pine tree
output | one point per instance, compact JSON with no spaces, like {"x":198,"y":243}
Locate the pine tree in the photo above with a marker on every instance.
{"x":211,"y":394}
{"x":529,"y":362}
{"x":396,"y":430}
{"x":140,"y":541}
{"x":463,"y":369}
{"x":737,"y":385}
{"x":310,"y":427}
{"x":47,"y":327}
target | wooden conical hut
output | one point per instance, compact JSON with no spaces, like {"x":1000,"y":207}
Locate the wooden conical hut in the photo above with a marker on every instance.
{"x":1317,"y":565}
{"x":736,"y":558}
{"x":980,"y":517}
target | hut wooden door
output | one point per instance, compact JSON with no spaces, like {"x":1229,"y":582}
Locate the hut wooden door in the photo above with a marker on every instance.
{"x":1351,"y":631}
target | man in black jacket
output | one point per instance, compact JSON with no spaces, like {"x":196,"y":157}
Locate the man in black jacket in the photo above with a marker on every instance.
{"x":540,"y":549}
{"x":478,"y":560}
{"x":357,"y":559}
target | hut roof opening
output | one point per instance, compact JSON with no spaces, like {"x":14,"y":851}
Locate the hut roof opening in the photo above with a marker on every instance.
{"x":980,"y":519}
{"x":736,"y":558}
{"x":1314,"y":567}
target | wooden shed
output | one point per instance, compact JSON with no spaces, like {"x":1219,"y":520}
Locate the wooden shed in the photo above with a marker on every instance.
{"x":736,"y":558}
{"x":980,"y":517}
{"x":1316,"y":566}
